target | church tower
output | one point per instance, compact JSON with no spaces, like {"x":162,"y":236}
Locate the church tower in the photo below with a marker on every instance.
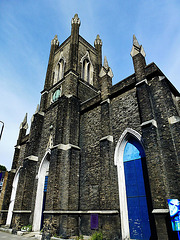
{"x":98,"y":157}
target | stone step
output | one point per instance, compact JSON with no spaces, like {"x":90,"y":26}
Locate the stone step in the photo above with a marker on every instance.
{"x":71,"y":238}
{"x":3,"y":229}
{"x":28,"y":234}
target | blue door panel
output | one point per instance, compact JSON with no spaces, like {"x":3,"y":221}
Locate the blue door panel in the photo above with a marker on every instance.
{"x":134,"y":218}
{"x":136,"y":196}
{"x":130,"y":179}
{"x":139,"y":177}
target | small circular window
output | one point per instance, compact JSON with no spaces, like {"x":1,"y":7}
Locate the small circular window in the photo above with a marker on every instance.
{"x":56,"y":95}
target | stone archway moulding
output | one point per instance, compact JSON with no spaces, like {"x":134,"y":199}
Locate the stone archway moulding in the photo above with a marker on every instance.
{"x":118,"y":161}
{"x":13,"y":196}
{"x":43,"y":168}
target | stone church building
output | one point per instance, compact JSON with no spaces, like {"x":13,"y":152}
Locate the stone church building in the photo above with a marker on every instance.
{"x":98,"y":157}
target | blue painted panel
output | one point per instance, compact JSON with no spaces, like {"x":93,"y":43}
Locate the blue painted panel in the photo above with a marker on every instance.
{"x":145,"y":218}
{"x":131,"y":152}
{"x":130,"y":179}
{"x":134,"y":218}
{"x":140,"y":177}
{"x":138,"y":218}
{"x":135,"y":190}
{"x":45,"y":183}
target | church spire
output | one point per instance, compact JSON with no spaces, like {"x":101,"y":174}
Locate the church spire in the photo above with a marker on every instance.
{"x":24,"y":123}
{"x":137,"y":48}
{"x":75,"y":20}
{"x":48,"y":79}
{"x":97,"y":41}
{"x":55,"y":41}
{"x":105,"y":69}
{"x":105,"y":76}
{"x":98,"y":47}
{"x":74,"y":45}
{"x":135,"y":41}
{"x":22,"y":130}
{"x":139,"y":62}
{"x":106,"y":65}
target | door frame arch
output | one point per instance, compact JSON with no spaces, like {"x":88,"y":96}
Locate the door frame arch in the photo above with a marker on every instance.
{"x":118,"y":161}
{"x":43,"y":168}
{"x":13,"y":197}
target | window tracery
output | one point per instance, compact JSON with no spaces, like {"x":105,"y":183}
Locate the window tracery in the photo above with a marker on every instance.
{"x":87,"y":68}
{"x":59,"y":70}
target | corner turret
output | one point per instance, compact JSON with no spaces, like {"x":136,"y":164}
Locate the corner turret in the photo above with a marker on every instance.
{"x":138,"y":56}
{"x":54,"y":46}
{"x":73,"y":53}
{"x":98,"y":47}
{"x":22,"y":130}
{"x":55,"y":41}
{"x":47,"y":85}
{"x":106,"y":76}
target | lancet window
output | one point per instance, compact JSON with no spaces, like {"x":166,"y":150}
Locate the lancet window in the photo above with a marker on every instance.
{"x":59,"y":70}
{"x":87,"y":69}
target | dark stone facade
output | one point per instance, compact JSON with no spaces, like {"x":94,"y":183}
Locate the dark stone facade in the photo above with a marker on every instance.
{"x":74,"y":139}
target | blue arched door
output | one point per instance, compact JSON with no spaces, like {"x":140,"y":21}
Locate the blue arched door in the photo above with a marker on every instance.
{"x":44,"y":200}
{"x":135,"y":190}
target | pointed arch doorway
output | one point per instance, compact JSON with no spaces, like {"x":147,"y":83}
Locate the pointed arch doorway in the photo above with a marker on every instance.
{"x":41,"y":192}
{"x":12,"y":199}
{"x":130,"y":161}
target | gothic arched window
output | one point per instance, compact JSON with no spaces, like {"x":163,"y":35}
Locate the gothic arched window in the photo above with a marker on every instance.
{"x":87,"y":69}
{"x":59,"y":71}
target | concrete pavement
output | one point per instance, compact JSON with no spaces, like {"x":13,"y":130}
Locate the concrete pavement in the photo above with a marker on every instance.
{"x":9,"y":236}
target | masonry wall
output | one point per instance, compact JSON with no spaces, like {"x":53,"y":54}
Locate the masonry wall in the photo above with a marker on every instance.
{"x":90,"y":134}
{"x":125,"y":114}
{"x":162,"y":154}
{"x":86,"y":91}
{"x":98,"y":175}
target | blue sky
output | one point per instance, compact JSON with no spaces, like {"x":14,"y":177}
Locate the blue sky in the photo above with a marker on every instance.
{"x":27,"y":27}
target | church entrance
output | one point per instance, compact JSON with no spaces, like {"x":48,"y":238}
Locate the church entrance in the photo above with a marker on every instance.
{"x":131,"y":167}
{"x":12,"y":200}
{"x":41,"y":192}
{"x":135,"y":191}
{"x":44,"y":200}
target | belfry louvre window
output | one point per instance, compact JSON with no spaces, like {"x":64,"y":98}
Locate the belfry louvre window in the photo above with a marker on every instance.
{"x":87,"y":68}
{"x":59,"y":71}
